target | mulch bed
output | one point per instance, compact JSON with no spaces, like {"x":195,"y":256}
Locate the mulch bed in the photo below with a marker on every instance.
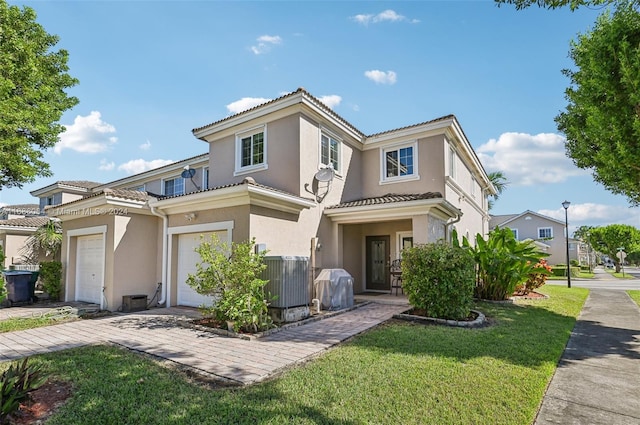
{"x":42,"y":403}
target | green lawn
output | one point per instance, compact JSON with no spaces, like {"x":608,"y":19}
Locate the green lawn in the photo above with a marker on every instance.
{"x":398,"y":373}
{"x":635,"y":295}
{"x":22,"y":323}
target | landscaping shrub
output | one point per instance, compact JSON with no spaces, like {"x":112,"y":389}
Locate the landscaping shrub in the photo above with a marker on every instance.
{"x":235,"y":281}
{"x":560,"y":270}
{"x":3,"y":290}
{"x":15,"y":384}
{"x":535,"y":280}
{"x":502,"y":263}
{"x":439,"y":279}
{"x":51,"y":278}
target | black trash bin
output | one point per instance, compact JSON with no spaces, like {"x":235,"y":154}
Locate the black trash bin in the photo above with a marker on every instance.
{"x":17,"y":283}
{"x":32,"y":286}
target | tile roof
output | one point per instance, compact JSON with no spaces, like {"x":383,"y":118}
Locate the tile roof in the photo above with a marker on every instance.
{"x":302,"y":90}
{"x":22,"y":209}
{"x":246,"y":181}
{"x":389,"y":198}
{"x":133,"y":195}
{"x":25,"y":222}
{"x":85,"y":184}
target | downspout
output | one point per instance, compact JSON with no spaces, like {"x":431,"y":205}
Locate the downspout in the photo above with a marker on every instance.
{"x":451,"y":223}
{"x":165,"y":226}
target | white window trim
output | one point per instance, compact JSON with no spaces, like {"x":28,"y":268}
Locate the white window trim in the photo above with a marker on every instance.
{"x":453,"y":162}
{"x":184,"y":188}
{"x":205,"y":180}
{"x":516,"y":233}
{"x":547,"y":227}
{"x":331,"y":135}
{"x":399,"y":237}
{"x":383,"y":175}
{"x":240,"y":170}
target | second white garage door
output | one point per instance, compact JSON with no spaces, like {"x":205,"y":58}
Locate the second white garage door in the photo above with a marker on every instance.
{"x":187,"y":260}
{"x":89,"y":268}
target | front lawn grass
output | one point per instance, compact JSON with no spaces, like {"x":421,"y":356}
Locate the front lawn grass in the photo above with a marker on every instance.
{"x":399,"y":373}
{"x":635,"y":295}
{"x":21,"y":323}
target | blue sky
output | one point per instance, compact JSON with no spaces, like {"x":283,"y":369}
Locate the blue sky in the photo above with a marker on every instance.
{"x":150,"y":71}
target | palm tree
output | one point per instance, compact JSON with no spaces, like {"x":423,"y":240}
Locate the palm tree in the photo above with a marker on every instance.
{"x":500,"y":182}
{"x":46,"y":239}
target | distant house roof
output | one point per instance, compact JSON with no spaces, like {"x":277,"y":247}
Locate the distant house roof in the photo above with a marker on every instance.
{"x":22,"y":209}
{"x":84,"y":186}
{"x":504,"y":220}
{"x":387,"y":199}
{"x":26,"y":222}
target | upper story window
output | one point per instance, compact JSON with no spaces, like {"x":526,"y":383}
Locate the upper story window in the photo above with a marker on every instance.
{"x":49,"y":200}
{"x":172,"y":187}
{"x":330,"y":149}
{"x":399,"y":163}
{"x":453,"y":159}
{"x":205,"y":178}
{"x":251,"y":150}
{"x":515,"y":234}
{"x":545,"y":232}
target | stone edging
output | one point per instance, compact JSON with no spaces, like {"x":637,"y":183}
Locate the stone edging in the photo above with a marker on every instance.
{"x":479,"y":321}
{"x":251,"y":337}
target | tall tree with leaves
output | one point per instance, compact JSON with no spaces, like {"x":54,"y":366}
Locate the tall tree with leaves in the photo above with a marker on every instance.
{"x":573,"y":4}
{"x":500,"y":182}
{"x":33,"y":79}
{"x":607,"y":239}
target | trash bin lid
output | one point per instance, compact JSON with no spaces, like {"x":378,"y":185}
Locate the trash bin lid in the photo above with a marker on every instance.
{"x":15,"y":272}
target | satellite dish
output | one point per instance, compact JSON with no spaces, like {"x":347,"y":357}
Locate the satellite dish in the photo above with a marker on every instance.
{"x":325,"y":175}
{"x":188,"y":173}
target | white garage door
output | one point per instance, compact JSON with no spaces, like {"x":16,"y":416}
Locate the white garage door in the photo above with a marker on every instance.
{"x":187,"y":260}
{"x":89,"y":268}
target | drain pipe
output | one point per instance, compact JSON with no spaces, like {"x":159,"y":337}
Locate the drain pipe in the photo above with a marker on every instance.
{"x":452,"y":222}
{"x":165,"y":225}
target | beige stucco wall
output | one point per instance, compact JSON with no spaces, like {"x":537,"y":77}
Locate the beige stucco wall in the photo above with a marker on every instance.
{"x":430,"y":169}
{"x":528,"y":229}
{"x":13,"y":245}
{"x":137,"y":245}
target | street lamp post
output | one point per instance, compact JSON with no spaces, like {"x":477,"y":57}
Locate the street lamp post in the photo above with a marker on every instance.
{"x":565,"y":205}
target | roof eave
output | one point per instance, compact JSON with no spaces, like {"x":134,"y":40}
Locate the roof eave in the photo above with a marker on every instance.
{"x":393,"y":211}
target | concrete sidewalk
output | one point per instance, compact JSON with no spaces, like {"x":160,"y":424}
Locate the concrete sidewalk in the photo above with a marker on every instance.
{"x":159,"y":333}
{"x":598,"y":377}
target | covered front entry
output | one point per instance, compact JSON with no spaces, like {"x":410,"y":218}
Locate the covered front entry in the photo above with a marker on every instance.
{"x":89,"y":268}
{"x":377,"y":260}
{"x":187,"y":260}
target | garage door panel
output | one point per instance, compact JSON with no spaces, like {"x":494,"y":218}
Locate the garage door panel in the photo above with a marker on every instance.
{"x":187,"y":260}
{"x":89,"y":268}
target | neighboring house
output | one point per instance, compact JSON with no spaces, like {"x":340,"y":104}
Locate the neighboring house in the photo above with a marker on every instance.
{"x":62,"y":192}
{"x":547,"y":232}
{"x":294,"y":176}
{"x":17,"y":223}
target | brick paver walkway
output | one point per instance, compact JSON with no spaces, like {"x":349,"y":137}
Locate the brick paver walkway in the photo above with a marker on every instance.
{"x":157,"y":332}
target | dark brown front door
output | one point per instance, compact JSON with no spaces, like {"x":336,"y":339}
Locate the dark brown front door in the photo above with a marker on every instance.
{"x":378,"y":263}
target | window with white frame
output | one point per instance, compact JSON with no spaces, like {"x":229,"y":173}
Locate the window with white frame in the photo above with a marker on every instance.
{"x":330,"y":151}
{"x":545,"y":232}
{"x":399,"y":162}
{"x":205,"y":178}
{"x":453,"y":159}
{"x":172,"y":187}
{"x":515,"y":234}
{"x":251,"y":150}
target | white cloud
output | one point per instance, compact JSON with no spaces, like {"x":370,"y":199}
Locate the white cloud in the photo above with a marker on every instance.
{"x":590,"y":214}
{"x":136,"y":166}
{"x":384,"y":16}
{"x":527,"y":159}
{"x":381,"y":77}
{"x":265,"y":42}
{"x":88,"y":134}
{"x":245,"y":103}
{"x":106,"y":165}
{"x":331,"y":100}
{"x":145,"y":146}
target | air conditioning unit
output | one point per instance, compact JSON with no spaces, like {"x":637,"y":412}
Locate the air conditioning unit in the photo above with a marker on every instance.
{"x":131,"y":303}
{"x":288,"y":278}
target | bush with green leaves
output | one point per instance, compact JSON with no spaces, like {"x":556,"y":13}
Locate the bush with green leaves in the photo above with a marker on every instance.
{"x":232,"y":276}
{"x":51,"y":278}
{"x":15,"y":384}
{"x":439,"y":279}
{"x":3,"y":290}
{"x":502,"y":263}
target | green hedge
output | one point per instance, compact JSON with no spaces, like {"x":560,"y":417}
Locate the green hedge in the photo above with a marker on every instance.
{"x":560,"y":270}
{"x":439,"y":278}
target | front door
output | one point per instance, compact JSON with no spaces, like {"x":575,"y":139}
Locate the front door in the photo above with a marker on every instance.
{"x":378,"y":263}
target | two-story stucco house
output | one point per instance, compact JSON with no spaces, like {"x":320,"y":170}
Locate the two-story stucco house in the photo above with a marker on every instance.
{"x":548,"y":233}
{"x":293,"y":175}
